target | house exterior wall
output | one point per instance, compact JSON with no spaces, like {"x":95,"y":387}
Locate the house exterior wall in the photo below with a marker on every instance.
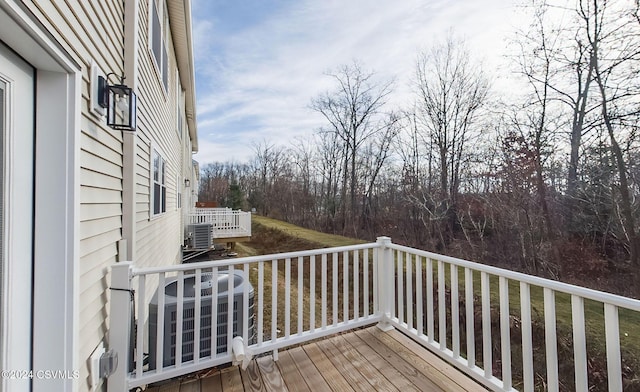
{"x":92,"y":32}
{"x":157,"y":235}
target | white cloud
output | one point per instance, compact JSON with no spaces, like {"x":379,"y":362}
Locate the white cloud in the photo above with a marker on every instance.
{"x":261,"y":80}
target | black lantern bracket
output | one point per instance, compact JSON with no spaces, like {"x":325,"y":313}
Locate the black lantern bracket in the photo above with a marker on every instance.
{"x":120,"y":102}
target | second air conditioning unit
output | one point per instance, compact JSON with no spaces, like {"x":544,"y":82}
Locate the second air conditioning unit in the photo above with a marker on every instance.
{"x":188,"y":316}
{"x":201,"y":235}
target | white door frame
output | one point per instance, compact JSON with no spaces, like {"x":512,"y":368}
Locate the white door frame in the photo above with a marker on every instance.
{"x":17,"y":213}
{"x":57,"y":190}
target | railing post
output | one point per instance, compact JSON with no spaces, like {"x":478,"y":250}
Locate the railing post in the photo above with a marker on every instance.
{"x":385,"y":282}
{"x":120,"y":324}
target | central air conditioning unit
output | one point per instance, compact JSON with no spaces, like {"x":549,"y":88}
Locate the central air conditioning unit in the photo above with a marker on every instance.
{"x":201,"y":235}
{"x":188,"y":316}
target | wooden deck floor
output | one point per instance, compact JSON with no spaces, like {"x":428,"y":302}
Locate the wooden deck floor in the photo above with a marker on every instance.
{"x":363,"y":360}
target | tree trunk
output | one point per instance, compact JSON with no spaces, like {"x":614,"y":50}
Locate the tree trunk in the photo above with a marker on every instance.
{"x":628,"y":221}
{"x":580,"y":112}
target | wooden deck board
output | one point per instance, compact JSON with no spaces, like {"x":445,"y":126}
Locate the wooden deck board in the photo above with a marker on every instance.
{"x":271,"y":376}
{"x":329,"y":372}
{"x":231,"y":380}
{"x":173,"y":386}
{"x":344,"y":366}
{"x":290,"y":373}
{"x":309,"y":371}
{"x":405,"y":380}
{"x":190,"y":386}
{"x":363,"y":365}
{"x":212,"y":383}
{"x":363,"y":360}
{"x":435,"y":362}
{"x":251,"y":378}
{"x":420,"y":373}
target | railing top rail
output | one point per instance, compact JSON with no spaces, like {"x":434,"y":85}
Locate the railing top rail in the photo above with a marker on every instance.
{"x":220,"y":213}
{"x":251,"y":259}
{"x":226,"y":209}
{"x":584,"y":292}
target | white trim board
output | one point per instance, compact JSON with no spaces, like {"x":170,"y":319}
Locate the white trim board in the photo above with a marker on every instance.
{"x":130,"y":139}
{"x":18,"y":82}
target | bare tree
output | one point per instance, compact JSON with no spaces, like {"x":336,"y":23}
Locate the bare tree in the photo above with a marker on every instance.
{"x":564,"y":73}
{"x":353,"y":111}
{"x":303,"y":154}
{"x":376,"y":156}
{"x":537,"y":121}
{"x":583,"y":65}
{"x":616,"y":56}
{"x":330,"y":168}
{"x":269,"y":165}
{"x":451,"y":91}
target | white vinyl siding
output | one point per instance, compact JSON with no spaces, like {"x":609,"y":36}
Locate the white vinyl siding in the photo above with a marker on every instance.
{"x":158,"y":239}
{"x":92,"y":32}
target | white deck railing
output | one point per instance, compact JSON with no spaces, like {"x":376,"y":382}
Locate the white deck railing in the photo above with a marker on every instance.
{"x":225,"y":222}
{"x":324,"y":291}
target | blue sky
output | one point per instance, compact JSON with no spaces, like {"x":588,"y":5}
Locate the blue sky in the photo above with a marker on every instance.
{"x":260,"y":62}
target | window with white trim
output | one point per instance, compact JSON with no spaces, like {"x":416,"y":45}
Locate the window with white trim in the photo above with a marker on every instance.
{"x":159,"y":191}
{"x":157,"y":41}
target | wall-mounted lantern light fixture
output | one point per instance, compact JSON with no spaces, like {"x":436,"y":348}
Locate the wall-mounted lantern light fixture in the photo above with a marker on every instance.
{"x":120,"y":102}
{"x":187,"y":183}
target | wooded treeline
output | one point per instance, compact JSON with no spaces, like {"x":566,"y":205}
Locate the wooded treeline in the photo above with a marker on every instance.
{"x":543,"y":178}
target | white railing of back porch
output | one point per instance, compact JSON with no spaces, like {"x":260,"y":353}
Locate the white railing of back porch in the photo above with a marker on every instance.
{"x":441,"y":278}
{"x":318,"y":293}
{"x":226,"y":223}
{"x":338,"y":289}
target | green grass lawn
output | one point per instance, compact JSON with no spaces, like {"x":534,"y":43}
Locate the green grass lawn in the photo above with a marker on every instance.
{"x":322,"y":239}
